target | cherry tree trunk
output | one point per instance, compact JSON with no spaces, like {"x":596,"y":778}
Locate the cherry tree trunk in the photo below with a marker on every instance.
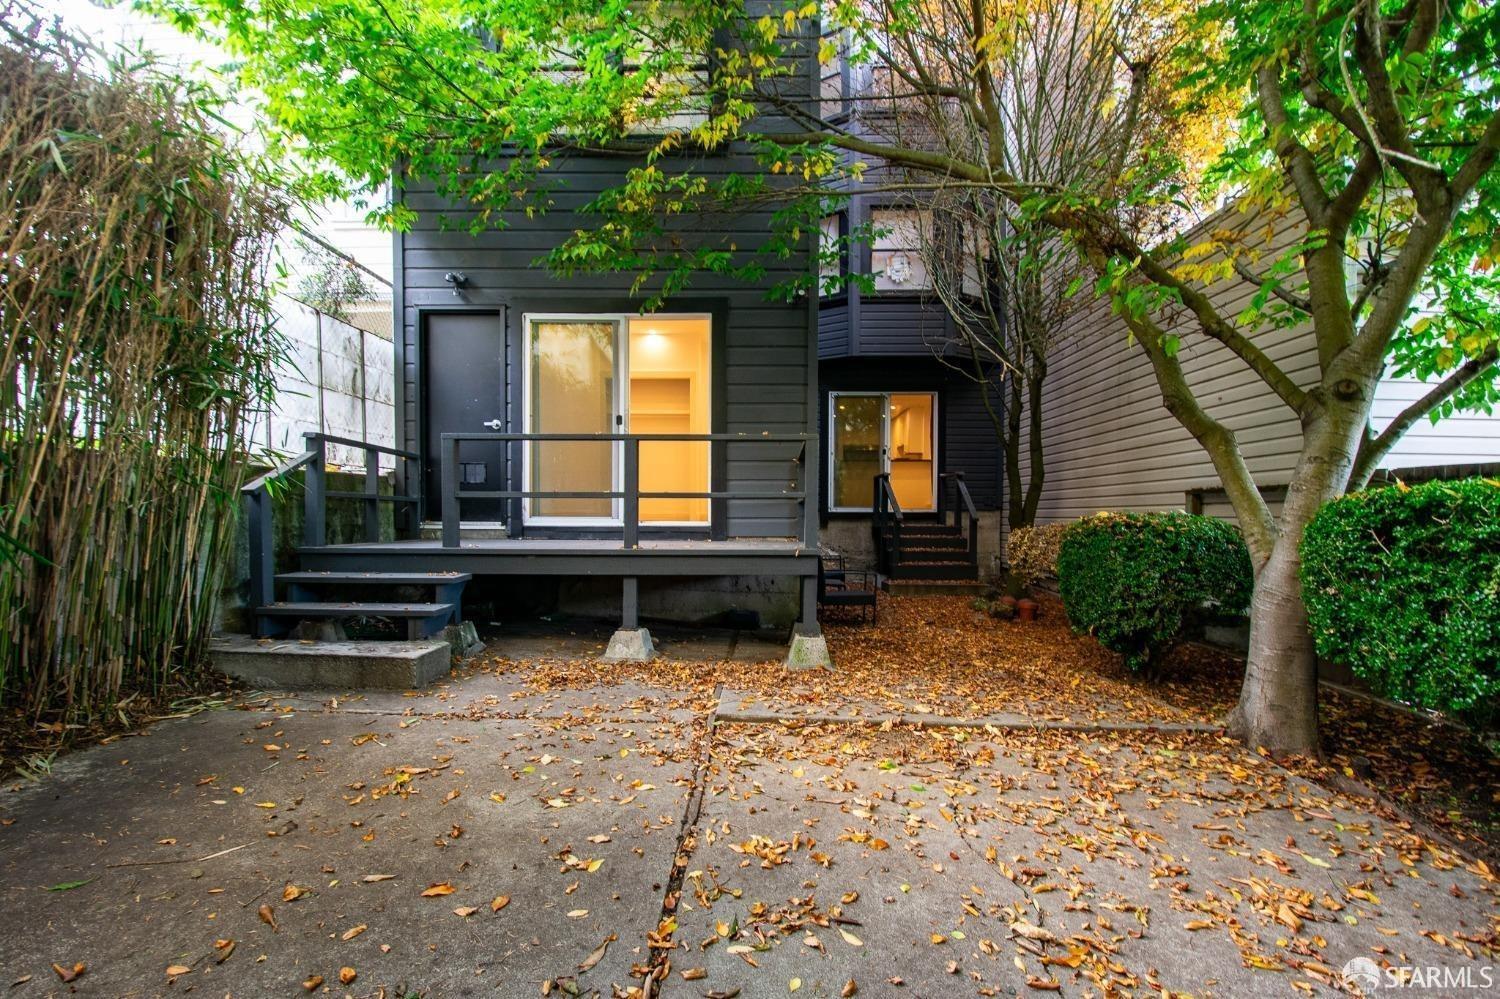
{"x":1278,"y":707}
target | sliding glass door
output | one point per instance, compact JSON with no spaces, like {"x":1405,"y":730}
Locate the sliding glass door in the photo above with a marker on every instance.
{"x":572,"y":387}
{"x":612,"y":374}
{"x":874,"y":433}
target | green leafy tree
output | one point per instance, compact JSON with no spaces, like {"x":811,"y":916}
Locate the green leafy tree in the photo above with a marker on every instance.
{"x":1374,"y":121}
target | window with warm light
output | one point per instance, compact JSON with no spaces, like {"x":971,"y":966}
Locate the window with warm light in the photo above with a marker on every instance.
{"x":669,"y":394}
{"x":606,"y":374}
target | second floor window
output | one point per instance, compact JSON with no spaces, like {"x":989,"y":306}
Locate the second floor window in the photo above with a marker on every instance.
{"x":896,"y":252}
{"x":830,"y":254}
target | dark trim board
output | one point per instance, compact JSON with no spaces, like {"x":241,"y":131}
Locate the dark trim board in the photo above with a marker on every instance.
{"x":571,"y":557}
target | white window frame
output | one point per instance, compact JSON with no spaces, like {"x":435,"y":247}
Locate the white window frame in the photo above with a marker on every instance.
{"x":621,"y":415}
{"x":885,"y":442}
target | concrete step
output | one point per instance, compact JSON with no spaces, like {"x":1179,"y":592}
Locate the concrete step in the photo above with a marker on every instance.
{"x":935,"y":570}
{"x":935,"y":588}
{"x":288,"y":664}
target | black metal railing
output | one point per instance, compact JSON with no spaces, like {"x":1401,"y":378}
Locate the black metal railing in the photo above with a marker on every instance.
{"x":802,"y":491}
{"x":258,"y":496}
{"x":960,"y":509}
{"x":886,"y":523}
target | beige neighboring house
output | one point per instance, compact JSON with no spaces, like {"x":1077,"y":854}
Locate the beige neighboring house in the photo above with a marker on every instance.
{"x":1111,"y":445}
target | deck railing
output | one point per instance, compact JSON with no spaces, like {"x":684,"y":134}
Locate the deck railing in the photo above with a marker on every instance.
{"x":258,"y":495}
{"x":801,"y":494}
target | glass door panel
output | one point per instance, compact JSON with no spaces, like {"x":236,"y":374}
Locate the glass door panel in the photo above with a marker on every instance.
{"x":669,"y":394}
{"x":858,"y":445}
{"x":571,"y":388}
{"x":913,"y":465}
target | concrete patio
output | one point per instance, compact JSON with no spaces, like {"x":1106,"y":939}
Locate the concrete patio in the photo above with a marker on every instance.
{"x":512,"y":830}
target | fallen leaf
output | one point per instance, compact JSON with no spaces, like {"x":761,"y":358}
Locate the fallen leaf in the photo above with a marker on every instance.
{"x":353,"y":932}
{"x":694,"y":974}
{"x":465,"y":911}
{"x":312,"y":983}
{"x":849,"y":990}
{"x":69,"y":885}
{"x":578,"y":913}
{"x":347,"y":975}
{"x":499,"y":902}
{"x":598,"y":953}
{"x":69,"y":974}
{"x":173,"y":970}
{"x":268,"y":916}
{"x":794,"y":985}
{"x":441,"y":888}
{"x":292,"y":892}
{"x":850,"y":938}
{"x":372,"y":878}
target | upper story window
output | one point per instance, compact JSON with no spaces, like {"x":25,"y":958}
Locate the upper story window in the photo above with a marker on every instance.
{"x":896,"y":257}
{"x":831,"y":258}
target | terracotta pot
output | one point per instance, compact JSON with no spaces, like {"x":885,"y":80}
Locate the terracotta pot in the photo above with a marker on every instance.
{"x":1008,"y":600}
{"x":1027,"y":609}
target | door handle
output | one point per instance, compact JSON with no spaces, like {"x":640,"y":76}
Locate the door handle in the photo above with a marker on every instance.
{"x":493,"y":424}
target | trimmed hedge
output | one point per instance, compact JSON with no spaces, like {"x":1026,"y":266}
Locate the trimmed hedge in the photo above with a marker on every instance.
{"x":1132,"y":579}
{"x":1402,"y":585}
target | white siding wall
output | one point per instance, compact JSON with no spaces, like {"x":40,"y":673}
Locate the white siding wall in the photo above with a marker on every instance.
{"x":1111,"y":445}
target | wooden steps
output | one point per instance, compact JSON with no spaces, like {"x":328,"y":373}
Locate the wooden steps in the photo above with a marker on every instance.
{"x":310,"y":595}
{"x":422,"y":620}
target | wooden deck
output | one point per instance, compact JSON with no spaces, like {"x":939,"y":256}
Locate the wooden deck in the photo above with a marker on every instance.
{"x":571,"y":557}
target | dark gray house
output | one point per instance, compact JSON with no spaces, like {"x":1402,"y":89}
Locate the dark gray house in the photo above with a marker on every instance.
{"x":912,"y":471}
{"x":551,"y":434}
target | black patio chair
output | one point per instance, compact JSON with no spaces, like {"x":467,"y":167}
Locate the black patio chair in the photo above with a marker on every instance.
{"x":841,"y":587}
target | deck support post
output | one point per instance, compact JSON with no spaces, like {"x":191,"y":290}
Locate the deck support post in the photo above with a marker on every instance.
{"x":632,"y":643}
{"x":809,"y":649}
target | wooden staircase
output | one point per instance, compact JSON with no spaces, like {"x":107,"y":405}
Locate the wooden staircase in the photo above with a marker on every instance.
{"x":308,"y":599}
{"x":426,"y":601}
{"x":942,"y":548}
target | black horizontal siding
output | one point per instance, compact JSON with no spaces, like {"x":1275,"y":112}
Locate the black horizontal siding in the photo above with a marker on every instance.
{"x":833,"y":330}
{"x":902,"y":327}
{"x":766,"y":374}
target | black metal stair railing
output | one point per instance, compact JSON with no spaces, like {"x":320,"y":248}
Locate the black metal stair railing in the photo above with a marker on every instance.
{"x":258,"y":495}
{"x":886,"y":524}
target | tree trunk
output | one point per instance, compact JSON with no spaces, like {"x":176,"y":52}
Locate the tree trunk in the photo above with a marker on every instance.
{"x":1278,"y":707}
{"x":1010,"y":442}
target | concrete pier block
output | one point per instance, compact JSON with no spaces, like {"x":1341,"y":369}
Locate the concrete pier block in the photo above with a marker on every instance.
{"x":630,"y":645}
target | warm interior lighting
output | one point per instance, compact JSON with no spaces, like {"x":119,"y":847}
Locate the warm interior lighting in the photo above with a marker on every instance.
{"x":912,"y":451}
{"x":669,"y":394}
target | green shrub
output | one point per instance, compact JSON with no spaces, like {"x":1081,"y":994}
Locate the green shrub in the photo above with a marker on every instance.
{"x":1131,"y":579}
{"x":1402,"y":585}
{"x":1032,"y":551}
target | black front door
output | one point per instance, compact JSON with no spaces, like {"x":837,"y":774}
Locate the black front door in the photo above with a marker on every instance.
{"x":463,"y":367}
